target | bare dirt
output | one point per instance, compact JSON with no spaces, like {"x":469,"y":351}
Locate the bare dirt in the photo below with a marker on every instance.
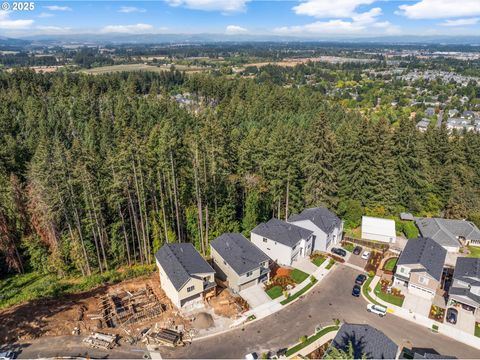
{"x":57,"y":317}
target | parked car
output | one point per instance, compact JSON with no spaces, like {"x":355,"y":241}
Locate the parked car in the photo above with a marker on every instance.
{"x":452,"y":315}
{"x":340,"y":252}
{"x":7,"y":355}
{"x":251,"y":356}
{"x":356,"y":290}
{"x":377,"y":309}
{"x":366,"y":255}
{"x":357,"y":250}
{"x":360,"y":279}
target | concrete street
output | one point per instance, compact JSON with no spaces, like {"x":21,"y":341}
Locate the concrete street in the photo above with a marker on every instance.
{"x":330,"y":299}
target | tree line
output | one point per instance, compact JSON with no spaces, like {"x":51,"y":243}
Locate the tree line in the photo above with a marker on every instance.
{"x":97,"y":172}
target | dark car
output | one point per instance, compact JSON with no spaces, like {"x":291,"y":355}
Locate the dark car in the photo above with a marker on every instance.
{"x":452,"y":315}
{"x":356,"y":290}
{"x":357,"y":250}
{"x":339,"y":252}
{"x":360,"y":279}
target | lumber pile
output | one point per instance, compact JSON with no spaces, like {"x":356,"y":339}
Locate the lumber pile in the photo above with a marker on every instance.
{"x":101,"y":341}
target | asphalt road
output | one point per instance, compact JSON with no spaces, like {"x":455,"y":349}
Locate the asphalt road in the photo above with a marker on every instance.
{"x":328,"y":300}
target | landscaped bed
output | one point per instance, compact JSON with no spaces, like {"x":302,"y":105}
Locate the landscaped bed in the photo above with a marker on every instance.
{"x":298,"y":276}
{"x":393,"y":298}
{"x":310,"y":340}
{"x":318,"y":260}
{"x":275,"y":292}
{"x":437,"y":313}
{"x":477,"y":329}
{"x":330,"y":264}
{"x":348,"y":246}
{"x":300,"y":292}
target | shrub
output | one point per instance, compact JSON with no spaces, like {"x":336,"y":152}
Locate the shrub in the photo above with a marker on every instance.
{"x":303,"y":339}
{"x":371,"y":273}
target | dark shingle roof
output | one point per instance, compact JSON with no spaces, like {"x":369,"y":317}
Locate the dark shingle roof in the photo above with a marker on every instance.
{"x":181,"y":261}
{"x":426,"y":252}
{"x":282,"y":232}
{"x":323,"y":218}
{"x":366,"y":340}
{"x":241,"y":254}
{"x":446,"y":231}
{"x":467,"y":270}
{"x":429,"y":355}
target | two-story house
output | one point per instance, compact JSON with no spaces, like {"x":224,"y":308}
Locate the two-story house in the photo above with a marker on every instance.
{"x":465,"y":288}
{"x":326,"y":226}
{"x":420,"y":267}
{"x":185,"y":276}
{"x":282,"y":242}
{"x":239,"y":262}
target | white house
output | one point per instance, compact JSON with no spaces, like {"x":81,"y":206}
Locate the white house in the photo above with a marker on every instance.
{"x":378,"y":229}
{"x":282,"y":242}
{"x":326,"y":226}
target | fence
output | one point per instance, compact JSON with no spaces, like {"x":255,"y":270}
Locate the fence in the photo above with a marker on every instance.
{"x":367,"y":243}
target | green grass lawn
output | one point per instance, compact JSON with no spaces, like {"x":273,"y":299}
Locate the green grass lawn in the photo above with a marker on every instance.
{"x":348,"y":246}
{"x":311,"y":339}
{"x":330,"y":264}
{"x":390,"y":264}
{"x":298,"y":276}
{"x":319,"y":260}
{"x":365,"y":288}
{"x":31,"y":286}
{"x":477,"y":329}
{"x":395,"y":300}
{"x":298,"y":293}
{"x":275,"y":292}
{"x":474,"y":251}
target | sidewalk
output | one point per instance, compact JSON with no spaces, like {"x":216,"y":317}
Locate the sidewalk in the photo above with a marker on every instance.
{"x":422,"y":320}
{"x":315,"y":345}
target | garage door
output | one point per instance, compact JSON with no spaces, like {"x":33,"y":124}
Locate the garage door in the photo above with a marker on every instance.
{"x":247,"y":285}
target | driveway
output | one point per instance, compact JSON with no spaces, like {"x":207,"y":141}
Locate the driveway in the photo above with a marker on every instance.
{"x":305,"y":265}
{"x":465,"y":321}
{"x":330,"y":299}
{"x":255,"y":296}
{"x":417,"y":304}
{"x":357,"y":259}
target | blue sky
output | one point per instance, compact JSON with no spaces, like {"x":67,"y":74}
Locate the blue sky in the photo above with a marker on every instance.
{"x":307,"y":18}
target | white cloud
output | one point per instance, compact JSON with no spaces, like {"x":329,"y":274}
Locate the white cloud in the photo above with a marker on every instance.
{"x":131,"y":9}
{"x":235,"y":29}
{"x":225,"y":6}
{"x":461,"y":22}
{"x":58,"y":8}
{"x":8,"y":24}
{"x":45,"y":15}
{"x":329,"y":8}
{"x":128,"y":29}
{"x":438,"y":9}
{"x":53,"y":29}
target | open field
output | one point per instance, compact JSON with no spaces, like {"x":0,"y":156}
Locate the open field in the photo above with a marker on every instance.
{"x":140,"y":67}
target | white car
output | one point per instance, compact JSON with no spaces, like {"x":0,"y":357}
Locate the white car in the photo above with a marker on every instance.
{"x":377,"y":309}
{"x":366,"y":255}
{"x":251,"y":356}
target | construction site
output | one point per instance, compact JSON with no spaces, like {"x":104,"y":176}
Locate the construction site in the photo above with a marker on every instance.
{"x":131,"y":312}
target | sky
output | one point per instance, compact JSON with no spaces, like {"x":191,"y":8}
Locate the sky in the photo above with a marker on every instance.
{"x":305,"y":18}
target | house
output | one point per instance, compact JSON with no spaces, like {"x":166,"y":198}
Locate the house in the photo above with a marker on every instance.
{"x":326,"y":226}
{"x":185,"y":276}
{"x":406,"y":216}
{"x":238,"y":261}
{"x":378,"y":229}
{"x":420,"y":267}
{"x":430,"y":111}
{"x":465,"y":288}
{"x":367,"y":342}
{"x":284,"y":243}
{"x":467,"y":114}
{"x":423,"y":124}
{"x":453,"y":112}
{"x":449,"y":233}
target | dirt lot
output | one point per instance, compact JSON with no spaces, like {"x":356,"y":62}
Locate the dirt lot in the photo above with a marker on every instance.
{"x":56,"y":317}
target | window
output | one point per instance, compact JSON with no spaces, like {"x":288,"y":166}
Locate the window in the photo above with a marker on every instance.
{"x":249,"y":273}
{"x":423,"y":280}
{"x":293,"y":248}
{"x":265,"y":240}
{"x":224,"y":262}
{"x":190,"y":288}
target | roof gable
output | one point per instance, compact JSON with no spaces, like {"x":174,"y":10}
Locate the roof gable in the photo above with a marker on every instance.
{"x":446,"y":231}
{"x":282,"y":232}
{"x":240,"y":253}
{"x":323,"y":218}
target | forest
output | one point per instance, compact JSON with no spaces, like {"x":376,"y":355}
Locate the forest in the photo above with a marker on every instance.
{"x":97,"y":172}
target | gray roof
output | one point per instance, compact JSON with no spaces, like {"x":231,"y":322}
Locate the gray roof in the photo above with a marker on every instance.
{"x":426,"y":252}
{"x":406,"y":216}
{"x":446,"y":231}
{"x":181,"y":261}
{"x":282,"y":232}
{"x":466,"y":270}
{"x":366,"y":340}
{"x":429,"y":355}
{"x":241,"y":254}
{"x":323,"y":218}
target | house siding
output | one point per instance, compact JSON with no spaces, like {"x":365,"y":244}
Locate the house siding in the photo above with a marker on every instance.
{"x":279,"y":253}
{"x":323,"y":241}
